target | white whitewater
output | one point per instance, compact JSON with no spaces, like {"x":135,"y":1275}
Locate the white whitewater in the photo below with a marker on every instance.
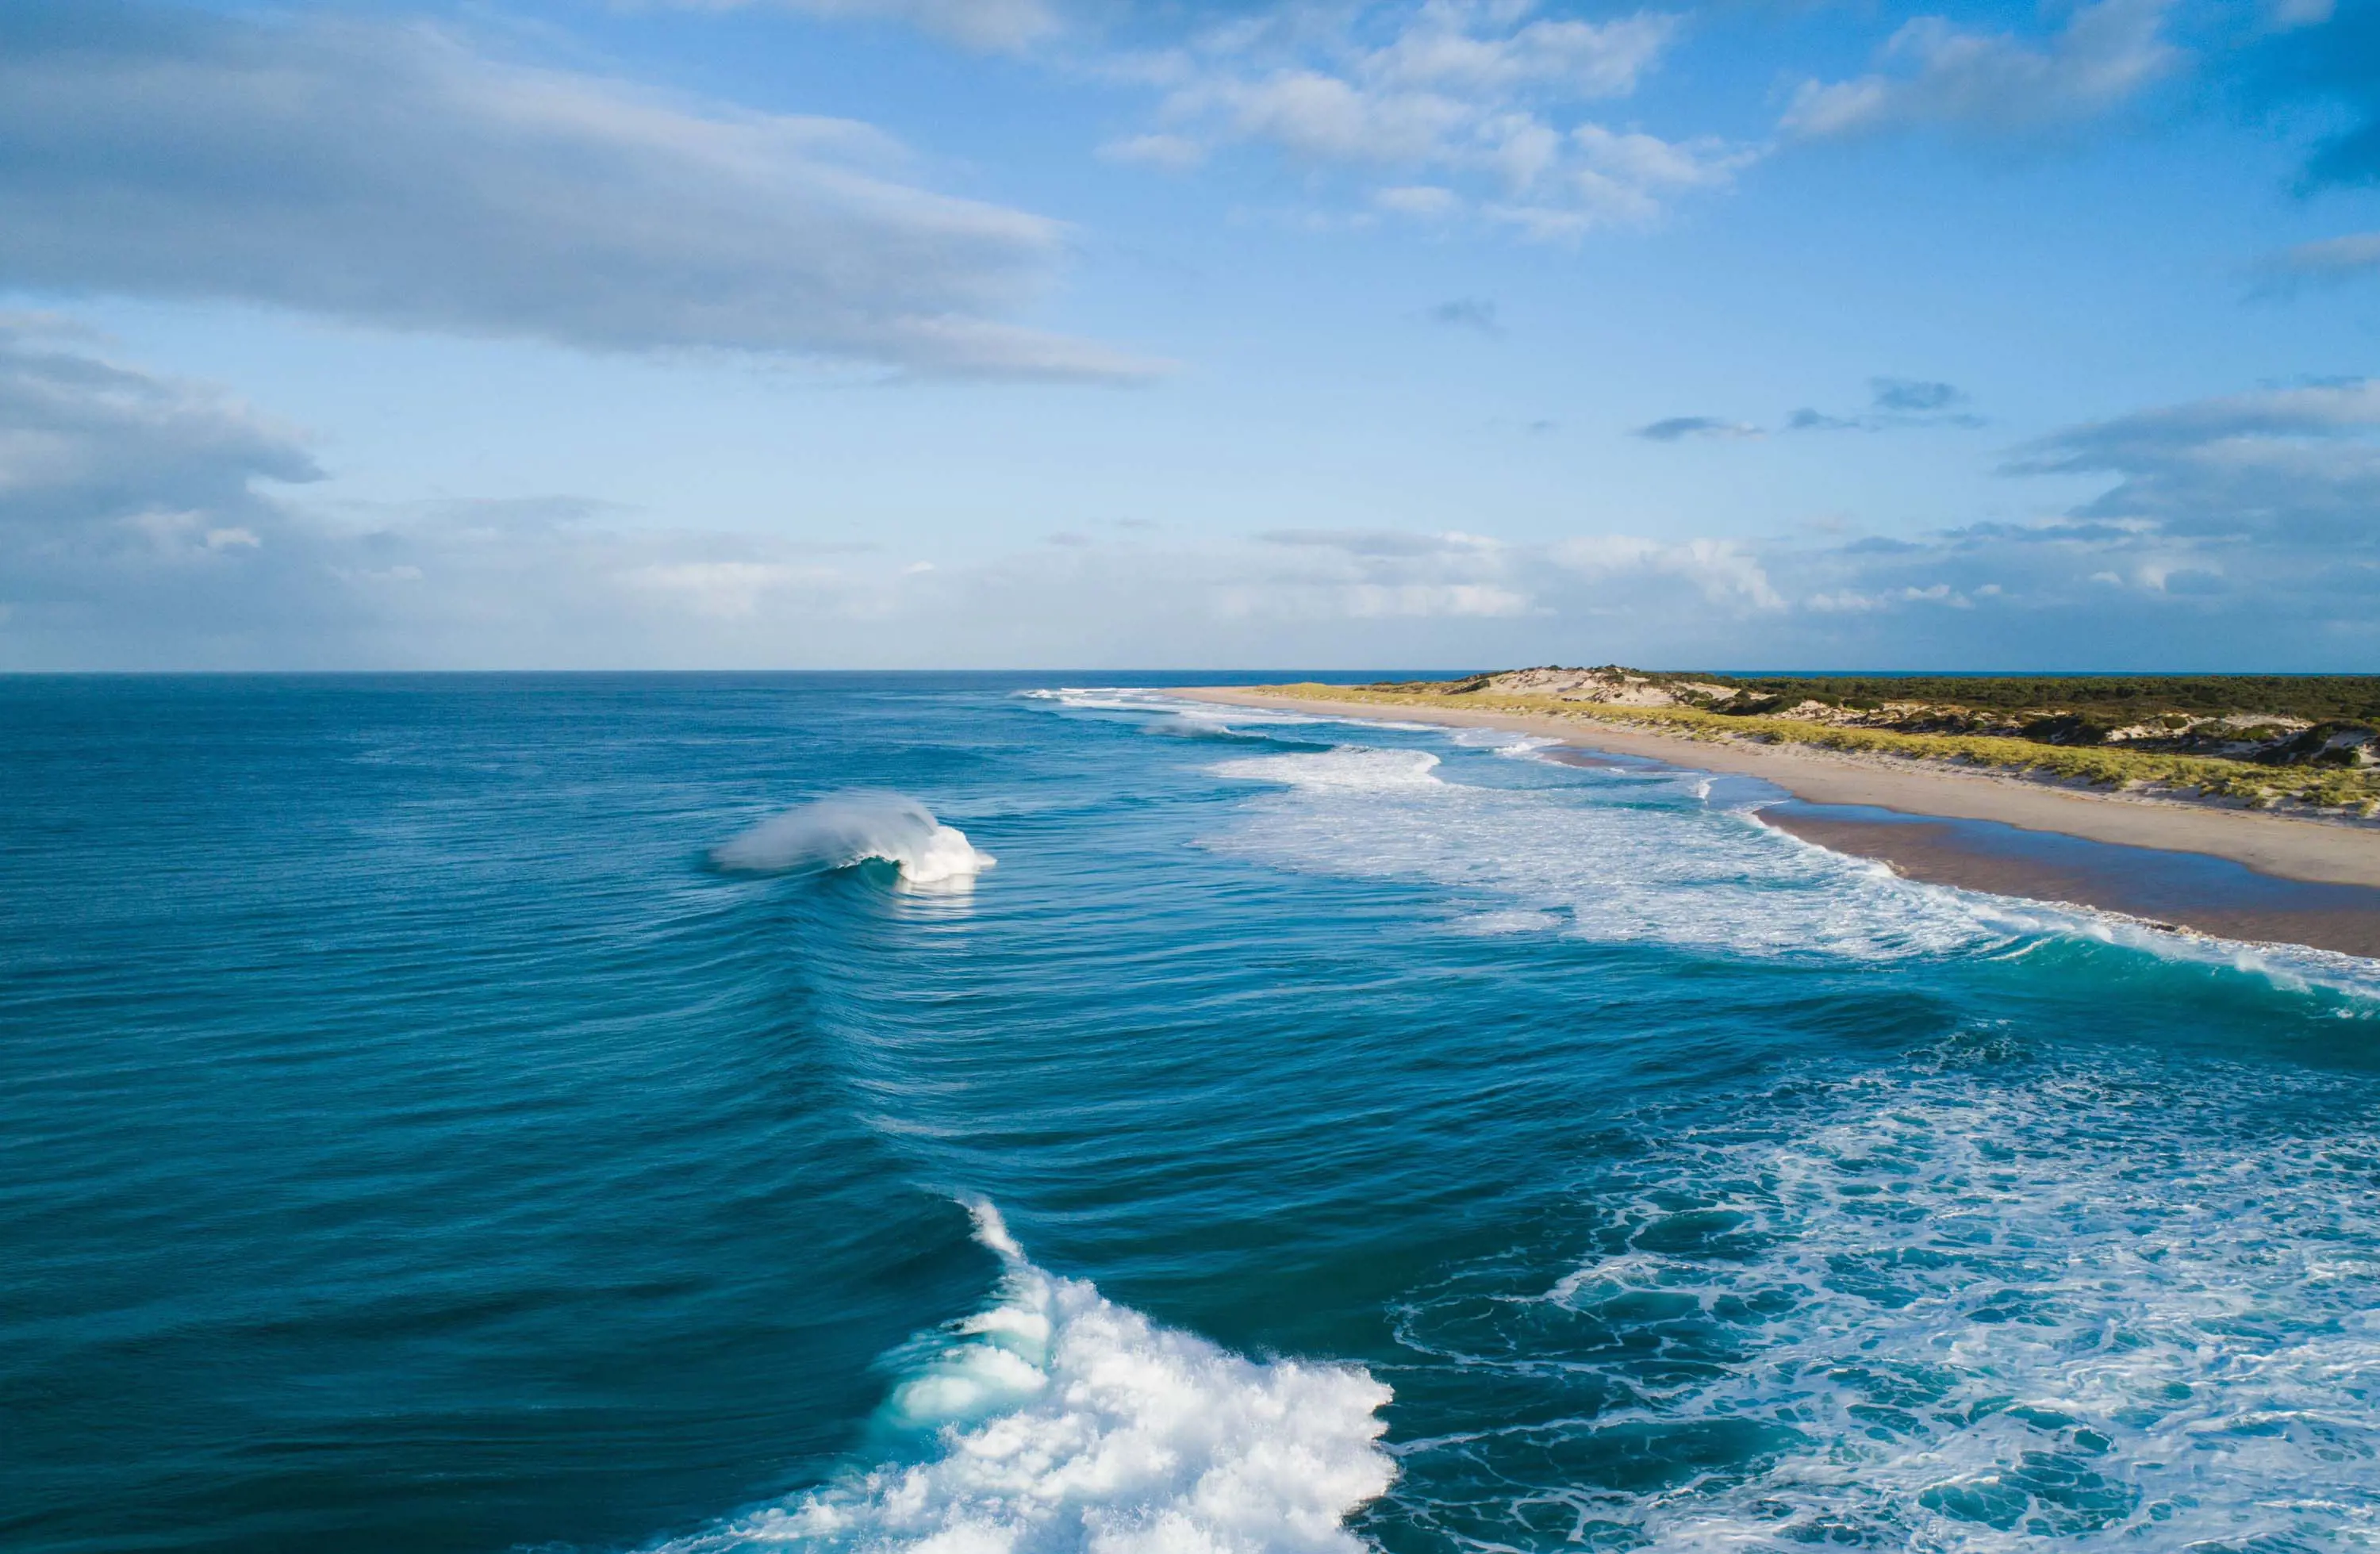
{"x":1057,"y":1422}
{"x":846,"y":829}
{"x":1977,"y":1316}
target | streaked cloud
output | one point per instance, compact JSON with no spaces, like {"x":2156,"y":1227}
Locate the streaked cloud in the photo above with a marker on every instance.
{"x":1000,"y":26}
{"x":1937,"y":75}
{"x":2327,"y":262}
{"x":96,"y":456}
{"x":1175,"y":152}
{"x":393,"y":175}
{"x":1379,"y":542}
{"x":1677,"y":428}
{"x":1894,"y":403}
{"x":2292,"y":466}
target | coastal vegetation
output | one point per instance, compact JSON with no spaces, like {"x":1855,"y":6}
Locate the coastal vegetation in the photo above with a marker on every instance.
{"x":2310,"y":741}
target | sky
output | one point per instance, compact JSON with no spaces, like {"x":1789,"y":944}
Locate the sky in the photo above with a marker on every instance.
{"x":1148,"y":334}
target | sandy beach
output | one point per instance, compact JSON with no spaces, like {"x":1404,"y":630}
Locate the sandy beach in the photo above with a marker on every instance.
{"x":2284,"y":849}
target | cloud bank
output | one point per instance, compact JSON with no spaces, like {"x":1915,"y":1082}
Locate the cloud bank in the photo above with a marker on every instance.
{"x":391,"y":176}
{"x":148,"y":522}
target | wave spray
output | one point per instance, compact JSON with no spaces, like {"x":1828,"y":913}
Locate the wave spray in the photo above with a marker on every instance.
{"x":852,"y":828}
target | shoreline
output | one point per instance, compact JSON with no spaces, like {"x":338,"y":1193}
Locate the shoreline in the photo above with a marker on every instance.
{"x":2336,"y":860}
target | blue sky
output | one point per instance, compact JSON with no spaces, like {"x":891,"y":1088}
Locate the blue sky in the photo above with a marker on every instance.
{"x":829,"y":333}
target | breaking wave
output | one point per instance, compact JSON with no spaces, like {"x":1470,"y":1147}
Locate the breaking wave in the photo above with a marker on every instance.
{"x":1057,"y":1422}
{"x":1624,"y":856}
{"x":846,"y":829}
{"x":1939,"y":1311}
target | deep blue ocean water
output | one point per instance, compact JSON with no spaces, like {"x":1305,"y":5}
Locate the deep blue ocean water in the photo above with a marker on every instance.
{"x":1307,"y":1137}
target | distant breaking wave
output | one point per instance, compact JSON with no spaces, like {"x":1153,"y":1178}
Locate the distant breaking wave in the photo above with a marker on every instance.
{"x":1058,"y":1422}
{"x":846,"y":829}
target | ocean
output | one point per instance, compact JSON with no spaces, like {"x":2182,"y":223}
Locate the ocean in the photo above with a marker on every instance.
{"x":685,"y":1114}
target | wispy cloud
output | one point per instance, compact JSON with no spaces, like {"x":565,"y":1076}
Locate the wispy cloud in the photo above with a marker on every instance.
{"x":1475,"y":313}
{"x":1938,"y":75}
{"x":1174,"y":152}
{"x":2292,"y":466}
{"x":393,"y":175}
{"x":1894,"y":403}
{"x":1000,"y":26}
{"x":2327,"y":262}
{"x":1677,"y":428}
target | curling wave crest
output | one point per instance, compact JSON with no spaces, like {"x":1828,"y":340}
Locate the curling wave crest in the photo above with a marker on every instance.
{"x":846,"y":829}
{"x":1946,"y":1311}
{"x":1058,"y":1421}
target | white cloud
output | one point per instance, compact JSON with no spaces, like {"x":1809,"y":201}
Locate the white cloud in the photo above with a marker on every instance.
{"x":1723,"y":573}
{"x":150,"y":522}
{"x":1174,"y":151}
{"x":1321,"y":115}
{"x":1481,"y":96}
{"x":1845,"y":602}
{"x":1937,"y":593}
{"x":1421,"y":201}
{"x":2107,"y":51}
{"x":393,"y":175}
{"x":2284,"y":15}
{"x":1446,"y":46}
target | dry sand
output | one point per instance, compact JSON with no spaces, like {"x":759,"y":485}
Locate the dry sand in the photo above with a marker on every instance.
{"x":2285,"y":848}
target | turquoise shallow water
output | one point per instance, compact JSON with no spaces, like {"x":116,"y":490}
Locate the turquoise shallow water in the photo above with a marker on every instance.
{"x":1305,"y":1136}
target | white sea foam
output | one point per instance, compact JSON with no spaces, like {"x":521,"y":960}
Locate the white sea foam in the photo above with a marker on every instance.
{"x":1662,"y":854}
{"x":846,"y":829}
{"x":1948,"y":1313}
{"x":1058,"y":1421}
{"x":1618,"y":855}
{"x":1346,"y":768}
{"x":1086,"y":699}
{"x":1104,"y":699}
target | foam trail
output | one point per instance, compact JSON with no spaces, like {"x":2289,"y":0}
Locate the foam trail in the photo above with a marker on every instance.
{"x":1949,"y":1311}
{"x":1615,"y":858}
{"x":846,"y":828}
{"x":1058,"y":1421}
{"x":1344,"y":768}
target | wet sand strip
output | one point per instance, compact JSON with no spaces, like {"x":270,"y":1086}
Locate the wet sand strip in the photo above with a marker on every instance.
{"x":2186,"y":889}
{"x":2267,"y":844}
